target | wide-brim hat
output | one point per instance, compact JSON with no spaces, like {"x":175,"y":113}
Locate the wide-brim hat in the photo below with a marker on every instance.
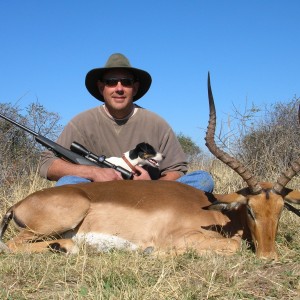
{"x":117,"y":61}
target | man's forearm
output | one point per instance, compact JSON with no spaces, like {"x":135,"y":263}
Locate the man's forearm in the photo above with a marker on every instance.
{"x":60,"y":168}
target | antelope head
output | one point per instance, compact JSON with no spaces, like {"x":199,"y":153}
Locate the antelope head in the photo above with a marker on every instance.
{"x":262,"y":202}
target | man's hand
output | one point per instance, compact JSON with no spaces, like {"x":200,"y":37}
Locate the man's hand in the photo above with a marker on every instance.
{"x":143,"y":174}
{"x":104,"y":174}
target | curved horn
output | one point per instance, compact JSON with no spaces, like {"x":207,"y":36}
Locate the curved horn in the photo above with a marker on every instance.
{"x":220,"y":154}
{"x":287,"y":176}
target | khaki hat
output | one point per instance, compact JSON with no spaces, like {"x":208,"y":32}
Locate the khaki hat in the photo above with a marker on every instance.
{"x":117,"y":61}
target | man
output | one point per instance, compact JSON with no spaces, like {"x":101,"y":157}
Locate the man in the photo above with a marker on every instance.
{"x":118,"y":126}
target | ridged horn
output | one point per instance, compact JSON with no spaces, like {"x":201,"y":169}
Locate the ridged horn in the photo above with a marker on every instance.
{"x":233,"y":163}
{"x":288,"y":175}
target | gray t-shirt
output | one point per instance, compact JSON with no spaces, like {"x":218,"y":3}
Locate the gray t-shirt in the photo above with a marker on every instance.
{"x":102,"y":135}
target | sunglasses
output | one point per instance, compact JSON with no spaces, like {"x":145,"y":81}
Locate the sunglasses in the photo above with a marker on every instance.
{"x":112,"y":82}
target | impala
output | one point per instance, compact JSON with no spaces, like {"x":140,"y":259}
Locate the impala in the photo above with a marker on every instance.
{"x":159,"y":215}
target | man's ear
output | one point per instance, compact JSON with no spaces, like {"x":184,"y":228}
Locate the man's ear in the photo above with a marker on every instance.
{"x":136,"y":86}
{"x":100,"y":85}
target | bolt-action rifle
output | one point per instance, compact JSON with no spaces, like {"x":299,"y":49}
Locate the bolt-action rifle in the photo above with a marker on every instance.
{"x":77,"y":155}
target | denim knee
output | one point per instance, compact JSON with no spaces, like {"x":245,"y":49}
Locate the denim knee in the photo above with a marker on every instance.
{"x":69,"y":179}
{"x":199,"y":179}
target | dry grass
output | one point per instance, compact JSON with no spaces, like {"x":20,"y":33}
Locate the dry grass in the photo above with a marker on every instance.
{"x":122,"y":275}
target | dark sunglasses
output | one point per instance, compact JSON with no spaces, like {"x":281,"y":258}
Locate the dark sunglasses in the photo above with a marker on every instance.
{"x":111,"y":82}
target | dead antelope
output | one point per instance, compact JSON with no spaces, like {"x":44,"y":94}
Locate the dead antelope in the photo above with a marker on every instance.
{"x":160,"y":215}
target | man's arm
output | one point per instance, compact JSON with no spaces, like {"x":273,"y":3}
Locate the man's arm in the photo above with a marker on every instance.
{"x":60,"y":168}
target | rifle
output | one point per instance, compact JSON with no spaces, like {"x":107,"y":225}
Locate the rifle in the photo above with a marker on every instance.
{"x":78,"y":153}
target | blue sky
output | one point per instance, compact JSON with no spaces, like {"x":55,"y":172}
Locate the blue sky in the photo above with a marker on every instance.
{"x":251,"y":48}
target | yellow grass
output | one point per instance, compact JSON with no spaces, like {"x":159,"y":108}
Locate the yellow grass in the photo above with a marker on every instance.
{"x":123,"y":275}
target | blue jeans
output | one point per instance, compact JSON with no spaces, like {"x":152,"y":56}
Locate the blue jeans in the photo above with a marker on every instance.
{"x":199,"y":179}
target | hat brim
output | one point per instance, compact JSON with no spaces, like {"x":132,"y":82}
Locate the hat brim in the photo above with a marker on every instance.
{"x":94,"y":75}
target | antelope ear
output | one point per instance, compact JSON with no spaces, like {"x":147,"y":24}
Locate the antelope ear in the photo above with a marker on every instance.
{"x":292,"y":209}
{"x":293,"y":196}
{"x":228,"y":202}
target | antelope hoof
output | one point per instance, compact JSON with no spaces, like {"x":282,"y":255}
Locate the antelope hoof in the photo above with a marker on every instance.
{"x":148,"y":250}
{"x":56,"y":247}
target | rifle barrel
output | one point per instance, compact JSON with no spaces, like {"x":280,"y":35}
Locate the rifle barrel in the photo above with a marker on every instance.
{"x":19,"y":125}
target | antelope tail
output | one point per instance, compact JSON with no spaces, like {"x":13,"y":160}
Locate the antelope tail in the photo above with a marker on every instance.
{"x":3,"y":226}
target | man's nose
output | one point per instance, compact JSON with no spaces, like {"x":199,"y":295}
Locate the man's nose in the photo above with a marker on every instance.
{"x":119,"y":86}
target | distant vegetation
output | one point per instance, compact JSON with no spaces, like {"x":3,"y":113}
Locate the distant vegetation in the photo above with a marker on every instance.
{"x":19,"y":150}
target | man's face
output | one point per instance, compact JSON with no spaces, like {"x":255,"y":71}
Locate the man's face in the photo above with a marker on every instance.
{"x":118,"y":94}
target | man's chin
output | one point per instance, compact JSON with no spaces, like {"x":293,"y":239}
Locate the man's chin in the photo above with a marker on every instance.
{"x":120,"y":101}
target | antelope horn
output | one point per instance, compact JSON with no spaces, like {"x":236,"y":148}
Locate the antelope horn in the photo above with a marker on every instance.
{"x":220,"y":154}
{"x":287,"y":176}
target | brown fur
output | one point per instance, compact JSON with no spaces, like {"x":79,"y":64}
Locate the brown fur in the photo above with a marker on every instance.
{"x":165,"y":215}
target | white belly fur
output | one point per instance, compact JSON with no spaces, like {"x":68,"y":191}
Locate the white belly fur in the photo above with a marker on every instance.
{"x":104,"y":242}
